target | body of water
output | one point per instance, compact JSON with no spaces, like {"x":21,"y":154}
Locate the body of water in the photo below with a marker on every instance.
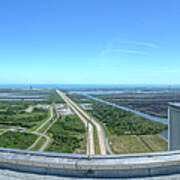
{"x":8,"y":99}
{"x":88,"y":86}
{"x":137,"y":91}
{"x":147,"y":116}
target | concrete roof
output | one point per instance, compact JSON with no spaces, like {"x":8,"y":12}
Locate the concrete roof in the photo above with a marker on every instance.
{"x":14,"y":175}
{"x":175,"y":105}
{"x":50,"y":165}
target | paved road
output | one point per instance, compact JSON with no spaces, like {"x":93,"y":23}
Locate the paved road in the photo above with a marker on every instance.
{"x":90,"y":139}
{"x":101,"y":138}
{"x":38,"y":139}
{"x":49,"y":119}
{"x":44,"y":133}
{"x":47,"y":139}
{"x":4,"y":131}
{"x":100,"y":133}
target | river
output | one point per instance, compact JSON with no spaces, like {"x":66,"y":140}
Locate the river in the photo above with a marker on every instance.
{"x":147,"y":116}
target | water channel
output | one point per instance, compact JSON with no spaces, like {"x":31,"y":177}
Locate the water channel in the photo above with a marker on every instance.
{"x":147,"y":116}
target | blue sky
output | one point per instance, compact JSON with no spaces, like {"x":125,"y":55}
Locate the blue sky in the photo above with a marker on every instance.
{"x":90,"y":41}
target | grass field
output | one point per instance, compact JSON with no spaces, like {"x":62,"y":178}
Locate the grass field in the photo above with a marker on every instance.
{"x":156,"y":142}
{"x":39,"y":144}
{"x":96,"y":141}
{"x":17,"y":140}
{"x":127,"y":144}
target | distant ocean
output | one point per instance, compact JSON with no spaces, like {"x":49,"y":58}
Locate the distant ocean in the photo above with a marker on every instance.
{"x":86,"y":86}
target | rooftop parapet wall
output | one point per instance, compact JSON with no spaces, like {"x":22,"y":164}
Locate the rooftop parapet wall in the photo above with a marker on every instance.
{"x":134,"y":165}
{"x":174,"y":105}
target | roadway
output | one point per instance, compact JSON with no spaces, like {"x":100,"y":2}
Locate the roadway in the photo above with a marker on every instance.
{"x":36,"y":132}
{"x":80,"y":112}
{"x":49,"y":119}
{"x":90,"y":139}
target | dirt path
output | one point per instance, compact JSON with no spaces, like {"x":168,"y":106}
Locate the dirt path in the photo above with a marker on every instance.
{"x":144,"y":142}
{"x":100,"y":133}
{"x":90,"y":139}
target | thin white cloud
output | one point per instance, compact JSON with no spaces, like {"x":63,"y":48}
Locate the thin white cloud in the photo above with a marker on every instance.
{"x":125,"y":51}
{"x":145,"y":44}
{"x":128,"y":47}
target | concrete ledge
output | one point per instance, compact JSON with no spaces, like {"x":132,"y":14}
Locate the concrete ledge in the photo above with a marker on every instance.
{"x":73,"y":165}
{"x":174,"y":105}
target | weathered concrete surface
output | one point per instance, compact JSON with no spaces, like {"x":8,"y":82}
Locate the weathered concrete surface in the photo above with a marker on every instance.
{"x":13,"y":175}
{"x":97,"y":166}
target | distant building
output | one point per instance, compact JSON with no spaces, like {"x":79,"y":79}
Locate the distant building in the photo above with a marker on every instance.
{"x":86,"y":106}
{"x":21,"y":129}
{"x":62,"y":109}
{"x":174,"y":126}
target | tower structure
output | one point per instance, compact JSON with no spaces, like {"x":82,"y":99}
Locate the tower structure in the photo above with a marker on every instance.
{"x":174,"y":126}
